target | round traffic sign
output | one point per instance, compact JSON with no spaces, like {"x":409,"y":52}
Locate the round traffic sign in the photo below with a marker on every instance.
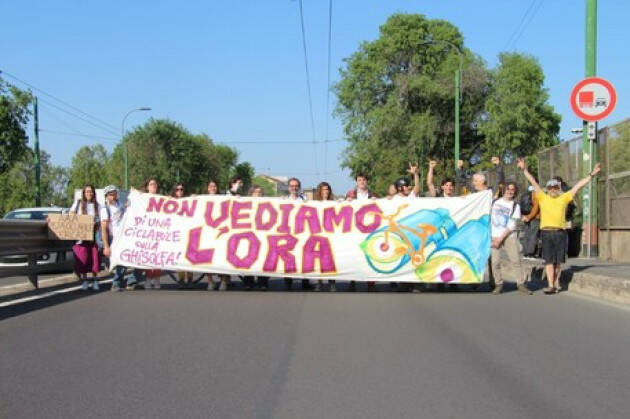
{"x":593,"y":99}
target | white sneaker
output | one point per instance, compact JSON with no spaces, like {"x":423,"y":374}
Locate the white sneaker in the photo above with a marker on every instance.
{"x":85,"y":286}
{"x":95,"y":287}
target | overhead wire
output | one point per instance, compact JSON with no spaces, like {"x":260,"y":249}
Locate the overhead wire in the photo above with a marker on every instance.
{"x":531,"y":17}
{"x":79,"y":134}
{"x":308,"y":84}
{"x":87,"y":121}
{"x":76,"y":109}
{"x":327,"y":116}
{"x":518,"y":27}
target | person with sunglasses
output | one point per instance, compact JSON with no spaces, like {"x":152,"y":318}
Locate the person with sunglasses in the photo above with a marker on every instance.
{"x":403,"y":186}
{"x":111,"y":219}
{"x":553,"y":205}
{"x":184,"y":279}
{"x":504,"y":213}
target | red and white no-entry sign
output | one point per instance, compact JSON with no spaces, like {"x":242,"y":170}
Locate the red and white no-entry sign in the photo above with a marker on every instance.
{"x":593,"y":99}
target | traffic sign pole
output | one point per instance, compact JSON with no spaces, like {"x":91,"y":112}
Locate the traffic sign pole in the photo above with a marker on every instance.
{"x":590,"y":229}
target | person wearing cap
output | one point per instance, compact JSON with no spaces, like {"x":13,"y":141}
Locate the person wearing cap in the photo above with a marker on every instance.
{"x":553,"y":206}
{"x":111,"y":219}
{"x":403,"y":186}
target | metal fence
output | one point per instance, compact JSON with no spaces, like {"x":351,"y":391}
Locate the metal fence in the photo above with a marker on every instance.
{"x":613,"y":184}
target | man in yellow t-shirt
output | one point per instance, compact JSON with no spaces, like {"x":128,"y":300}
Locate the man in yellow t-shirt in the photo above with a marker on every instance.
{"x":553,"y":205}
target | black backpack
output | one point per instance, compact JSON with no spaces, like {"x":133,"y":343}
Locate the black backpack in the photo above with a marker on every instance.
{"x":526,"y":203}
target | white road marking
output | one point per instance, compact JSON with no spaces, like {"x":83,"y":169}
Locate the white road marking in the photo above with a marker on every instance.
{"x":49,"y":294}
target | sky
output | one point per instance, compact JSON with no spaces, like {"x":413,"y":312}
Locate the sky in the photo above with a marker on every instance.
{"x":235,"y":69}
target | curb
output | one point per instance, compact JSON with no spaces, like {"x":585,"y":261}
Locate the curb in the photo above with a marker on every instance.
{"x":578,"y":280}
{"x":43,"y":283}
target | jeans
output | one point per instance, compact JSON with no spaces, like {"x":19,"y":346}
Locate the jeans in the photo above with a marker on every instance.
{"x":137,"y":277}
{"x":119,"y":275}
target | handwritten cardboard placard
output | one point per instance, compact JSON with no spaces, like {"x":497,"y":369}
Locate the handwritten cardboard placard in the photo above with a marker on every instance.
{"x":70,"y":227}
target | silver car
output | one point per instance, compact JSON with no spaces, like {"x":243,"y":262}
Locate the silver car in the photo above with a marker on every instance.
{"x":38,"y":214}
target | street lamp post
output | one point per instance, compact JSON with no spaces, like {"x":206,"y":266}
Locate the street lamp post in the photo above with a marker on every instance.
{"x":458,"y":74}
{"x":125,"y":150}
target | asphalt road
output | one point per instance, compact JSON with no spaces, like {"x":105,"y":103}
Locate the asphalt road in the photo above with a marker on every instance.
{"x":198,"y":354}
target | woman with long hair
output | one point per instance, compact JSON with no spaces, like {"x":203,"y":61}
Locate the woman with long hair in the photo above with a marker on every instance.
{"x":185,"y":279}
{"x":504,"y":214}
{"x":221,"y":284}
{"x":86,"y":254}
{"x":324,"y":193}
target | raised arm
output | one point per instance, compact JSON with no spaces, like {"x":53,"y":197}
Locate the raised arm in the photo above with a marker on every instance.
{"x":461,"y":177}
{"x":520,"y":162}
{"x":430,"y":184}
{"x":586,"y":180}
{"x":498,"y":169}
{"x":413,"y":169}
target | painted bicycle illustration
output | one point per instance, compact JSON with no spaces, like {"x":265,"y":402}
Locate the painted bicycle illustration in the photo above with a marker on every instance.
{"x":406,"y":240}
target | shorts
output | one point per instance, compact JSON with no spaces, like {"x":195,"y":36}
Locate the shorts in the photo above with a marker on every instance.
{"x":554,"y":246}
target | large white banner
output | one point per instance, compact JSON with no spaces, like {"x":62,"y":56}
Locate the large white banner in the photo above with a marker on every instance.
{"x":444,"y":240}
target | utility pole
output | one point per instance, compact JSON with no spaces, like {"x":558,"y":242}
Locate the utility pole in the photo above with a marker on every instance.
{"x":589,"y":147}
{"x":38,"y":196}
{"x":457,"y":93}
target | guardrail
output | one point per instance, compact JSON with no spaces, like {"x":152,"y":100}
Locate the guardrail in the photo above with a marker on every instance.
{"x":30,"y":239}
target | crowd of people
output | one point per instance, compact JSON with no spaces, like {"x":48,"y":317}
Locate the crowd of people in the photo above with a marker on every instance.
{"x":543,"y":213}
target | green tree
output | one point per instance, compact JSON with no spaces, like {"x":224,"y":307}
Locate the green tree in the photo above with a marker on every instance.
{"x":14,"y":115}
{"x":228,"y":157}
{"x":395,"y":98}
{"x":88,"y":167}
{"x":518,"y":120}
{"x":246,"y":172}
{"x":269,"y":189}
{"x":167,"y":151}
{"x":17,"y":186}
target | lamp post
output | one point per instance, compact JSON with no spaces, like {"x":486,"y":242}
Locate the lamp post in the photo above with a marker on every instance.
{"x":458,"y":93}
{"x":125,"y":150}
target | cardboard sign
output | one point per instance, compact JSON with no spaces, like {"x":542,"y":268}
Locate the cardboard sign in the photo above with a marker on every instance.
{"x":70,"y":227}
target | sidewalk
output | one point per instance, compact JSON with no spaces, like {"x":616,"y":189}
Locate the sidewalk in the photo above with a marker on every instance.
{"x":609,"y":281}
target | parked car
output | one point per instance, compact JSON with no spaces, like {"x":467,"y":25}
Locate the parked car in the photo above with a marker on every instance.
{"x":35,"y":214}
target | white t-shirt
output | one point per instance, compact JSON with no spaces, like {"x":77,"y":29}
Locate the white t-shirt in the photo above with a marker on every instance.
{"x":90,"y":208}
{"x":503,"y":216}
{"x":114,"y":216}
{"x":362,"y":196}
{"x":399,"y":197}
{"x":299,"y":198}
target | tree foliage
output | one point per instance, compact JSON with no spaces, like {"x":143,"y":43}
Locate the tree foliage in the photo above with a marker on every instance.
{"x":89,"y":165}
{"x":164,"y":149}
{"x":518,"y":119}
{"x":269,"y":188}
{"x":17,"y":186}
{"x":396,"y":97}
{"x":14,"y":115}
